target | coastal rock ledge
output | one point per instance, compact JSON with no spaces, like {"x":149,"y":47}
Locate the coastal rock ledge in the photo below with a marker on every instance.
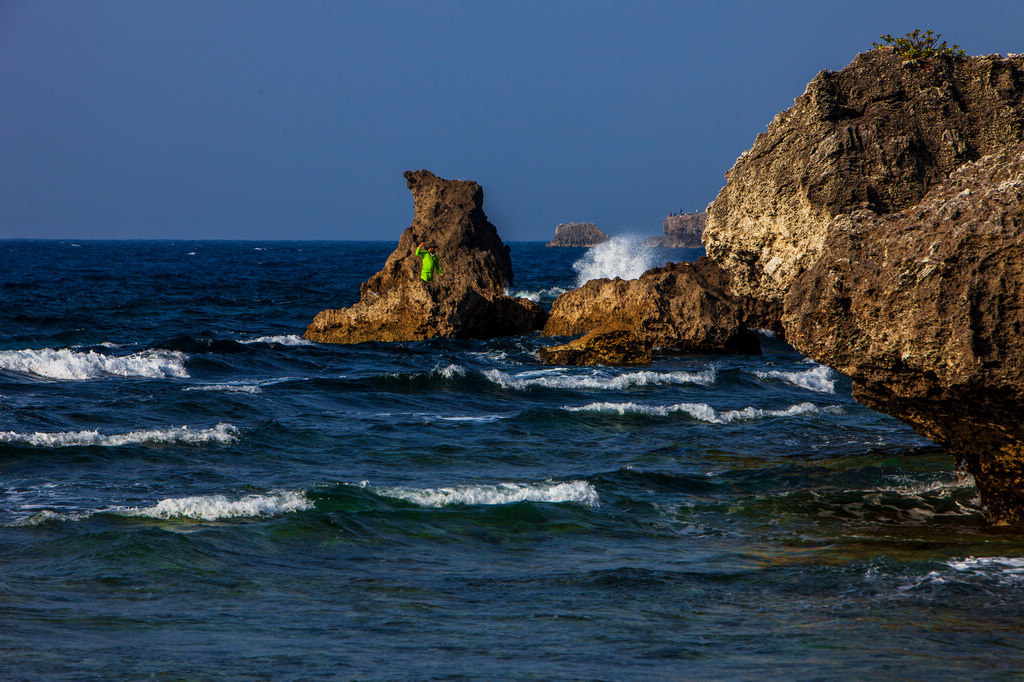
{"x":886,"y":210}
{"x":467,"y":301}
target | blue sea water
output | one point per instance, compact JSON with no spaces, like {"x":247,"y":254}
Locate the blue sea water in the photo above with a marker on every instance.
{"x":189,"y":490}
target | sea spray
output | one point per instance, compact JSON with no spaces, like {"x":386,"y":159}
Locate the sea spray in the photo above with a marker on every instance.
{"x":623,"y":256}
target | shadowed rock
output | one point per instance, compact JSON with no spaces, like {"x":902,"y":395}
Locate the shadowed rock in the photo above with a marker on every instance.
{"x":616,"y":344}
{"x":467,"y":301}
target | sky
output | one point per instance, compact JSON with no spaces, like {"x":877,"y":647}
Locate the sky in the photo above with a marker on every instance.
{"x":232,"y":119}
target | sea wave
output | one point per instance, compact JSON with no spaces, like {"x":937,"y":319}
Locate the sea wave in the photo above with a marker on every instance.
{"x":221,"y":433}
{"x":537,"y":296}
{"x":578,"y":492}
{"x":69,"y":365}
{"x":596,"y":379}
{"x":217,"y":507}
{"x":284,"y":340}
{"x":820,"y":378}
{"x":706,"y":413}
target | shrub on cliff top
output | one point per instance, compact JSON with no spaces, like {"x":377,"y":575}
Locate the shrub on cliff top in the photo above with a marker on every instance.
{"x":917,"y":45}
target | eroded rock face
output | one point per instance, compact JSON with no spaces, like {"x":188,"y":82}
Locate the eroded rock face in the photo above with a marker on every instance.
{"x":682,"y":306}
{"x":467,"y":301}
{"x":616,"y":344}
{"x":873,"y":136}
{"x":681,"y":231}
{"x":924,"y":310}
{"x":578,"y":234}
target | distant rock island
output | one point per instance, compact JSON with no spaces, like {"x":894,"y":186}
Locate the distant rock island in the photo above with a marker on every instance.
{"x":578,"y":234}
{"x":682,"y":231}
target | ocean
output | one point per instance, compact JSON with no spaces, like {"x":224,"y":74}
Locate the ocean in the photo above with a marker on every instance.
{"x":189,"y":490}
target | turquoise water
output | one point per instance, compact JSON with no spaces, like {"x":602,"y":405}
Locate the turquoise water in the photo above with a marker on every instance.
{"x":188,"y":490}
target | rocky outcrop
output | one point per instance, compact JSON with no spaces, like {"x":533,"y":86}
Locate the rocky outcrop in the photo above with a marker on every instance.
{"x":681,"y":232}
{"x":885,"y":210}
{"x":924,"y":311}
{"x":615,"y":344}
{"x":578,"y":234}
{"x":873,"y":136}
{"x":467,"y":301}
{"x":686,"y":307}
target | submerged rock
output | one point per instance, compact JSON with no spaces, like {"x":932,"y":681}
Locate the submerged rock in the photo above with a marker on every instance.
{"x":578,"y":234}
{"x":467,"y":300}
{"x":899,"y":255}
{"x":685,"y":307}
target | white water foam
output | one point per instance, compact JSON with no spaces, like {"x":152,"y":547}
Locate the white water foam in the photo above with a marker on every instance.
{"x":536,"y":296}
{"x":69,"y":365}
{"x":217,"y":507}
{"x":705,"y":413}
{"x":285,"y":340}
{"x":578,"y":492}
{"x":596,"y":379}
{"x":819,"y":378}
{"x":227,"y":388}
{"x":453,"y":371}
{"x":624,"y":256}
{"x":222,"y":433}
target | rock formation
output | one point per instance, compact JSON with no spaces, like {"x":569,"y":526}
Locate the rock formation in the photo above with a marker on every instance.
{"x":685,"y":307}
{"x":898,"y":250}
{"x":615,"y":344}
{"x":467,"y":301}
{"x":578,"y":234}
{"x":874,"y":136}
{"x":681,"y":232}
{"x":924,"y":310}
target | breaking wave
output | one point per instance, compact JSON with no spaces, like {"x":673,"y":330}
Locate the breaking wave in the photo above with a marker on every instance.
{"x":217,"y":507}
{"x":624,"y":257}
{"x":284,"y":340}
{"x":705,"y":413}
{"x":578,"y":492}
{"x":819,"y":378}
{"x":222,"y":433}
{"x":68,"y":365}
{"x":597,"y":379}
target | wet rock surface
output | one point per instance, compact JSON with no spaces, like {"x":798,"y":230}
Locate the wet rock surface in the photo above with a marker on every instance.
{"x":614,"y":344}
{"x":466,"y":300}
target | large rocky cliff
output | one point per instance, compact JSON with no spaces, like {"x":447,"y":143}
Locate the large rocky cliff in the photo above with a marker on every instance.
{"x":467,"y":301}
{"x":886,"y":210}
{"x":875,"y":135}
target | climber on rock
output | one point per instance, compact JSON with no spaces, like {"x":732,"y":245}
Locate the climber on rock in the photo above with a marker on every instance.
{"x":430,"y":263}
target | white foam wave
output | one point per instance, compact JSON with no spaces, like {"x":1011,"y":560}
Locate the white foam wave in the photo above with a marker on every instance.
{"x":228,"y":388}
{"x":216,"y":507}
{"x":536,"y":296}
{"x":452,"y":371}
{"x":625,"y":256}
{"x":578,"y":492}
{"x":705,"y":413}
{"x":819,"y":378}
{"x":284,"y":340}
{"x":71,"y":365}
{"x":596,"y":379}
{"x":222,"y":433}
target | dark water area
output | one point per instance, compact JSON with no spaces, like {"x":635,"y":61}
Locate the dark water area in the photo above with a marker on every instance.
{"x":189,"y":490}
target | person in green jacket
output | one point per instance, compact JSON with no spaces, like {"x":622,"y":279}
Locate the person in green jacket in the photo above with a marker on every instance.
{"x":430,"y":263}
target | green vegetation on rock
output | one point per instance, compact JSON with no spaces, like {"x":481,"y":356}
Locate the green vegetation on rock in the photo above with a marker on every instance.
{"x":916,"y":45}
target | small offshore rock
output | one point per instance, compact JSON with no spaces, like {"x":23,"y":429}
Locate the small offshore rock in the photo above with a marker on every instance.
{"x":578,"y":234}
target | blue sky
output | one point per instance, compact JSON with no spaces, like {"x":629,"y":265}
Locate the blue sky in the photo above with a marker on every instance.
{"x":212,"y":119}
